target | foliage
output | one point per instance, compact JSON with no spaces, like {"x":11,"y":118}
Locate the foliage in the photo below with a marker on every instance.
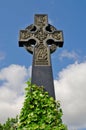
{"x":11,"y":124}
{"x":40,"y":111}
{"x":1,"y":127}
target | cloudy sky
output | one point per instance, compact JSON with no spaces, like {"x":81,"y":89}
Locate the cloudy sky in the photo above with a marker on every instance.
{"x":69,"y":62}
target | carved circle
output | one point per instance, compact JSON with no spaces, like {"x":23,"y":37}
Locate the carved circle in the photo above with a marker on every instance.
{"x":29,"y":46}
{"x":50,"y":42}
{"x":31,"y":42}
{"x":32,"y":28}
{"x":49,"y":28}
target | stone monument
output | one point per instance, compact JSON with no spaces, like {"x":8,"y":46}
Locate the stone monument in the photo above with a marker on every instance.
{"x":41,"y":39}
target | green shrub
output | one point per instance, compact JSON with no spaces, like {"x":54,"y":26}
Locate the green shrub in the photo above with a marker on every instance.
{"x":40,"y":111}
{"x":10,"y":124}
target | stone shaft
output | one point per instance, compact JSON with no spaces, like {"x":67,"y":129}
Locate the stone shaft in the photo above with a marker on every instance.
{"x":42,"y":76}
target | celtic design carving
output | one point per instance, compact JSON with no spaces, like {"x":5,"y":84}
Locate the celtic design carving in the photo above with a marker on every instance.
{"x":40,"y":35}
{"x":24,"y":34}
{"x":46,"y":37}
{"x":57,"y":35}
{"x":41,"y":55}
{"x":41,"y":20}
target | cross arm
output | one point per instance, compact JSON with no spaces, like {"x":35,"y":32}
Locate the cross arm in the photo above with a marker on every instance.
{"x":58,"y":38}
{"x":24,"y":36}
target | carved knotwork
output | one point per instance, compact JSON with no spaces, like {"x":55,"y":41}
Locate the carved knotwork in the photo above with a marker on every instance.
{"x":24,"y":34}
{"x":41,"y":35}
{"x":57,"y":35}
{"x":45,"y":36}
{"x":41,"y":20}
{"x":41,"y":55}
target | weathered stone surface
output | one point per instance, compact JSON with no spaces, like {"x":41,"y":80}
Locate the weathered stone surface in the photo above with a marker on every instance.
{"x":41,"y":39}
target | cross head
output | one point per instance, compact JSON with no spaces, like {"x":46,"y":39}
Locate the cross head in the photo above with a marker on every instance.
{"x":41,"y":39}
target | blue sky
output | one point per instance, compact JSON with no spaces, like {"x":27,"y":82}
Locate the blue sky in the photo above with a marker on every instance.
{"x":69,"y":16}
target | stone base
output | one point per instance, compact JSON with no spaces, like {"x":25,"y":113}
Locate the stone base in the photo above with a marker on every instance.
{"x":42,"y":76}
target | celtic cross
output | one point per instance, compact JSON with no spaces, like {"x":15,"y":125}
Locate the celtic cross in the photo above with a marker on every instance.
{"x":41,"y":39}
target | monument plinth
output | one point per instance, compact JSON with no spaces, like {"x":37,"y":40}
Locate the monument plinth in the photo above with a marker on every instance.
{"x":41,"y":39}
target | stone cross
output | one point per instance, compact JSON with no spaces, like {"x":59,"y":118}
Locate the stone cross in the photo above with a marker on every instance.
{"x":41,"y":39}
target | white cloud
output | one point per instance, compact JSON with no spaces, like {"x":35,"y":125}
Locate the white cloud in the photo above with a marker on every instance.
{"x":71,"y":91}
{"x":13,"y":80}
{"x":70,"y":55}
